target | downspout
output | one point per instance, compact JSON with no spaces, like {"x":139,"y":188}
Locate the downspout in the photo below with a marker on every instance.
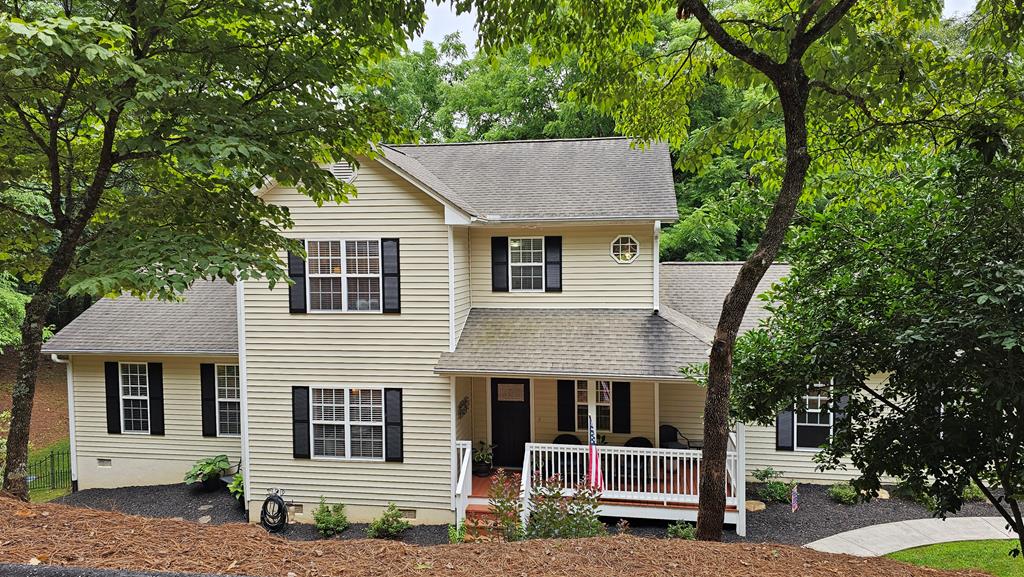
{"x":656,"y":257}
{"x":71,"y":419}
{"x":244,"y":390}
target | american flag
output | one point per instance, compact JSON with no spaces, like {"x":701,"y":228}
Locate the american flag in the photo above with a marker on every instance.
{"x":596,"y":477}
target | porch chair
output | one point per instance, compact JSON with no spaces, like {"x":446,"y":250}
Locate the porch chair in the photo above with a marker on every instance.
{"x":671,"y":438}
{"x":570,"y":467}
{"x":567,"y":439}
{"x":634,"y":470}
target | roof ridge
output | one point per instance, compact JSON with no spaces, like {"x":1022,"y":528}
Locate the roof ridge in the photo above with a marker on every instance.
{"x":519,"y":141}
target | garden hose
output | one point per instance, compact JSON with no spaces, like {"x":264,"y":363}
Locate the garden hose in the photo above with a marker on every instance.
{"x":274,"y":514}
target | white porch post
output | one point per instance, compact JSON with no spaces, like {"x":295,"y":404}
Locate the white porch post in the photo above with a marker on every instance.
{"x":657,"y":414}
{"x":591,"y":404}
{"x":741,"y":479}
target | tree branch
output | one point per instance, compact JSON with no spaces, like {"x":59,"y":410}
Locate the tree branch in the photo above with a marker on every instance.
{"x":803,"y":40}
{"x":33,"y":217}
{"x":760,"y":61}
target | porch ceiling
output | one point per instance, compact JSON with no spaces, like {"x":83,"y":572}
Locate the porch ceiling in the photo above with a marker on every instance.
{"x":615,"y":343}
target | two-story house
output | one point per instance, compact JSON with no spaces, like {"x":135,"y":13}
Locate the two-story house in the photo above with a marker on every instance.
{"x":505,"y":293}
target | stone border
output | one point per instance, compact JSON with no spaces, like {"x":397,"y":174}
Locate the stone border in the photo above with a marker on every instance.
{"x":878,"y":540}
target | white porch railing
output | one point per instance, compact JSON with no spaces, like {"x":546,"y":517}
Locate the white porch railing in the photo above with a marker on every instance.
{"x":639,"y":475}
{"x":464,"y":485}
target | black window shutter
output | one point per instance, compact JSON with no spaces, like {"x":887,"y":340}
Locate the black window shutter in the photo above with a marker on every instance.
{"x":393,"y":447}
{"x":156,"y":397}
{"x":553,"y":264}
{"x":621,"y":408}
{"x":112,"y":380}
{"x":297,"y":290}
{"x":499,"y":264}
{"x":300,"y":422}
{"x":208,"y":391}
{"x":391,"y":276}
{"x":784,"y":430}
{"x":567,"y":406}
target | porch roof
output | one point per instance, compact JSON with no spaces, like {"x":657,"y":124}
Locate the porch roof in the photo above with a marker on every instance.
{"x":614,"y":343}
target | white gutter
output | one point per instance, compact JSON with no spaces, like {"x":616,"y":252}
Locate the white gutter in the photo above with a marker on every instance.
{"x":71,"y":418}
{"x":244,"y":388}
{"x":657,"y":265}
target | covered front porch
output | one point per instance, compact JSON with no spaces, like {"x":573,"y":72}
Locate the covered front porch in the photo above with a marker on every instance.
{"x":649,"y":440}
{"x":528,"y":381}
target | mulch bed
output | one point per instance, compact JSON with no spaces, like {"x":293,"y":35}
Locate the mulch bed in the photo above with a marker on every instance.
{"x":819,"y":516}
{"x":68,"y":536}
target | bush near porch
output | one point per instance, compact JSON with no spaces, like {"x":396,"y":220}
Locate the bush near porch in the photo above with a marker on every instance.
{"x":61,"y":535}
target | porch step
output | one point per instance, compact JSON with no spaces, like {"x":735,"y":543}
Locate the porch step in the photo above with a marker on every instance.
{"x":481,"y":524}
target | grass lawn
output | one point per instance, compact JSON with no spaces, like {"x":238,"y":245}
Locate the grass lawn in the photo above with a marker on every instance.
{"x":989,"y":556}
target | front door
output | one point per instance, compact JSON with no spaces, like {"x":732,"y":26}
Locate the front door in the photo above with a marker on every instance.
{"x":510,"y":420}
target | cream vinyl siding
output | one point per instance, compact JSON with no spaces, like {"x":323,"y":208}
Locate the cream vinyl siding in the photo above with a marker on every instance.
{"x":641,"y":420}
{"x":796,"y":464}
{"x":590,"y":276}
{"x":682,"y":406}
{"x":357,"y":350}
{"x":143,"y":459}
{"x":463,"y":300}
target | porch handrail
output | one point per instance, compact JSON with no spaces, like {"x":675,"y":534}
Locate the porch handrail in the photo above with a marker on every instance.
{"x":630,"y":473}
{"x":464,"y":486}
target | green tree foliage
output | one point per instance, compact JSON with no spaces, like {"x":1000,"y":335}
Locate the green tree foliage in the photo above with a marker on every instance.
{"x":848,"y":80}
{"x":12,"y":311}
{"x":920,"y":278}
{"x":134,"y":132}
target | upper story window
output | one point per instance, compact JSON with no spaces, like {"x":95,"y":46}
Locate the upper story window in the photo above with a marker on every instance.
{"x":625,"y":249}
{"x":602,"y":406}
{"x":526,"y":263}
{"x":813,"y":422}
{"x":348,"y":423}
{"x":134,"y":397}
{"x":229,"y":403}
{"x":343,"y":275}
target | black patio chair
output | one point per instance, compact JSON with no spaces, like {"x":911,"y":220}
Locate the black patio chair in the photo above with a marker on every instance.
{"x":671,"y":438}
{"x":567,"y":439}
{"x":573,"y":467}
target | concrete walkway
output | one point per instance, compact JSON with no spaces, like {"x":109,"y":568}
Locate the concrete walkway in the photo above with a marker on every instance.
{"x":878,"y":540}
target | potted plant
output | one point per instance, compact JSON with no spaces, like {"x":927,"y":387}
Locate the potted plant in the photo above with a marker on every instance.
{"x":483,"y":457}
{"x":208,"y":472}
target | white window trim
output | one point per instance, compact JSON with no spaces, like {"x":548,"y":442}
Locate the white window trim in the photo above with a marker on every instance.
{"x":347,"y":423}
{"x":122,"y":397}
{"x":610,"y":404}
{"x":543,"y":265}
{"x":611,"y":249}
{"x":216,"y":386}
{"x":821,"y":393}
{"x":344,"y":276}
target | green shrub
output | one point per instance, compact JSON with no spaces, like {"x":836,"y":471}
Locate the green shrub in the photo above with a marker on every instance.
{"x":682,"y":530}
{"x":772,"y":489}
{"x":330,"y":519}
{"x":554,"y":516}
{"x":389,"y":525}
{"x":503,"y":496}
{"x":237,"y":487}
{"x":973,"y":492}
{"x":844,"y":493}
{"x":208,"y":469}
{"x":906,"y":491}
{"x":457,"y":533}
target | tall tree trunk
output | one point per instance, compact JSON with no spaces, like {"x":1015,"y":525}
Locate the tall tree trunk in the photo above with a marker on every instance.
{"x":793,"y":91}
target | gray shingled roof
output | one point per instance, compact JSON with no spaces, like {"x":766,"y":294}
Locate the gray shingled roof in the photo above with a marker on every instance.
{"x":628,"y":343}
{"x":581,"y":179}
{"x":698,"y":289}
{"x":204,"y":323}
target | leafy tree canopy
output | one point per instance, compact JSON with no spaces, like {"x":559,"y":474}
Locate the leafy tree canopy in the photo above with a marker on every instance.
{"x":920,"y":279}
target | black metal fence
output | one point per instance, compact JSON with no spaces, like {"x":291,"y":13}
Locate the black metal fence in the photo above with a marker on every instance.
{"x":51,"y":472}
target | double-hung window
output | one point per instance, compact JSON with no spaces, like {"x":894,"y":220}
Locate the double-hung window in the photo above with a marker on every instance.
{"x":813,"y":422}
{"x":602,"y":406}
{"x":229,"y":403}
{"x":348,"y":423}
{"x":526,"y":263}
{"x":134,"y":397}
{"x":344,"y":275}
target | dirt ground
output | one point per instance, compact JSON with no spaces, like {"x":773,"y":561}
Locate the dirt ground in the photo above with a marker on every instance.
{"x":50,"y":410}
{"x":65,"y":536}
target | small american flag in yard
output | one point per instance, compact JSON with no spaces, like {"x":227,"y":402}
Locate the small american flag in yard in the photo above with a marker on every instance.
{"x":794,"y":501}
{"x":596,"y":477}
